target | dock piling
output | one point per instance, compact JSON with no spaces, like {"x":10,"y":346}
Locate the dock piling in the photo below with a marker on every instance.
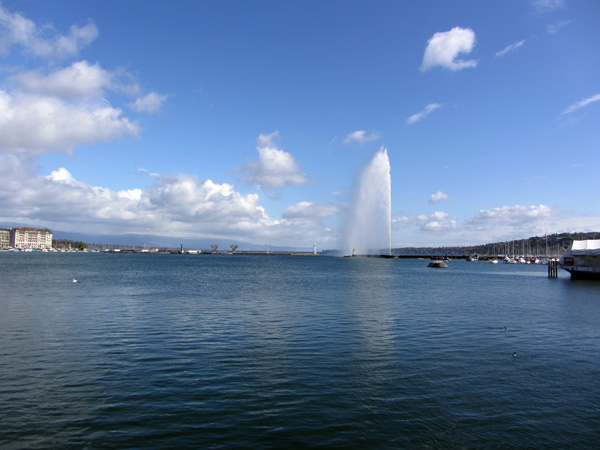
{"x":552,"y":269}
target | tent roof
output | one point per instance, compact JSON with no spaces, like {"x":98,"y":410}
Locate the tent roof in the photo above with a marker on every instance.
{"x":591,"y":247}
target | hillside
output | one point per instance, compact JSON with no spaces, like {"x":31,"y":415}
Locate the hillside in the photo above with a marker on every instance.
{"x":536,"y":245}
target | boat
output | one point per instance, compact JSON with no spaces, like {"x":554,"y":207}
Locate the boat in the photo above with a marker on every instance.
{"x":438,"y":265}
{"x":582,"y":259}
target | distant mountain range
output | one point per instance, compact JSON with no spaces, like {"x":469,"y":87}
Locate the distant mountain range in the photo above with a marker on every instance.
{"x":556,"y":244}
{"x":164,"y":242}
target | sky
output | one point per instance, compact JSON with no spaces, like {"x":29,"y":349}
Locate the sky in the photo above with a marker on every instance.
{"x":250,"y":121}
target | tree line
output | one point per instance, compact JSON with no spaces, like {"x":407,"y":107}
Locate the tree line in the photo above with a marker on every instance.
{"x":557,"y":244}
{"x":64,"y":244}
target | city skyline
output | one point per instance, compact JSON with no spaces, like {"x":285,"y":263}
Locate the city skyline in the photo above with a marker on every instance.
{"x":251,"y":121}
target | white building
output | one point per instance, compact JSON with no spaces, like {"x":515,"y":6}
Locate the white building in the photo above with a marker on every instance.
{"x":30,"y":238}
{"x":4,"y":238}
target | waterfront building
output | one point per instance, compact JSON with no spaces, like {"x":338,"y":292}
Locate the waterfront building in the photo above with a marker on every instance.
{"x":4,"y":238}
{"x":30,"y":238}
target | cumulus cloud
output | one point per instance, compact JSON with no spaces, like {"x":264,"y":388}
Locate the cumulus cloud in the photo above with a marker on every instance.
{"x":581,"y":104}
{"x":149,"y":103}
{"x":306,"y":219}
{"x":67,"y":107}
{"x":438,"y":197}
{"x":37,"y":124}
{"x":174,"y":205}
{"x":436,"y":222}
{"x":275,"y":168}
{"x":511,"y":48}
{"x":490,"y":225}
{"x":81,"y":79}
{"x":421,"y":115}
{"x":510,"y":215}
{"x":54,"y":109}
{"x":18,"y":30}
{"x":444,"y":48}
{"x":361,"y":137}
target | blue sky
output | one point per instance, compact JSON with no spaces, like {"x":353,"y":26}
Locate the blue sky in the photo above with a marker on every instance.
{"x":251,"y":120}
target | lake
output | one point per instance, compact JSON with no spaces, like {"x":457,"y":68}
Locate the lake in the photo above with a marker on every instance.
{"x":239,"y":351}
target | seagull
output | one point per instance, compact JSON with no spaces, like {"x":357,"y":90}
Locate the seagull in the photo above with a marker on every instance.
{"x":74,"y":280}
{"x":515,"y":354}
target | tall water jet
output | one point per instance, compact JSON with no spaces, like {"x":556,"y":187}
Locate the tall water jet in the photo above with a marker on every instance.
{"x":369,"y":220}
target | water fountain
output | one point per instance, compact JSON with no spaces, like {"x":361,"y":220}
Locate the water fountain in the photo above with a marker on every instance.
{"x":369,"y":219}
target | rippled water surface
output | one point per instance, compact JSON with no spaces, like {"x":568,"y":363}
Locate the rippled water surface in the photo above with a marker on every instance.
{"x":217,"y":351}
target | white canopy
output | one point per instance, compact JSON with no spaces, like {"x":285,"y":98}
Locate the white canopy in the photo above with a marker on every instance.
{"x":590,"y":247}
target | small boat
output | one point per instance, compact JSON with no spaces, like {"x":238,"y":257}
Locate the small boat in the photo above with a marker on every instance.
{"x":438,"y":265}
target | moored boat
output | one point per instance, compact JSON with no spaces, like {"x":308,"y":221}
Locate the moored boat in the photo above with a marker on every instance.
{"x":582,"y":259}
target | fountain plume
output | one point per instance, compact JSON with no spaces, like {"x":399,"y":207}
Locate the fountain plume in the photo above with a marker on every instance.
{"x":369,"y":220}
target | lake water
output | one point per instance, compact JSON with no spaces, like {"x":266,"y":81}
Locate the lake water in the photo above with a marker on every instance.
{"x":217,"y":351}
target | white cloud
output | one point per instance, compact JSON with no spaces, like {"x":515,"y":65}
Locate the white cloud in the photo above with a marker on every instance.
{"x":54,"y":109}
{"x":36,"y":124}
{"x":582,"y":103}
{"x":361,"y":137}
{"x":305,"y":220}
{"x":17,"y":30}
{"x":555,"y":28}
{"x":444,"y":48}
{"x":81,"y":79}
{"x":174,"y":205}
{"x":150,"y":103}
{"x":438,"y":197}
{"x":548,"y":5}
{"x":67,"y":107}
{"x":421,"y":115}
{"x":511,"y":48}
{"x":510,"y":215}
{"x":491,"y":225}
{"x":275,"y":168}
{"x":436,"y":222}
{"x":311,"y":210}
